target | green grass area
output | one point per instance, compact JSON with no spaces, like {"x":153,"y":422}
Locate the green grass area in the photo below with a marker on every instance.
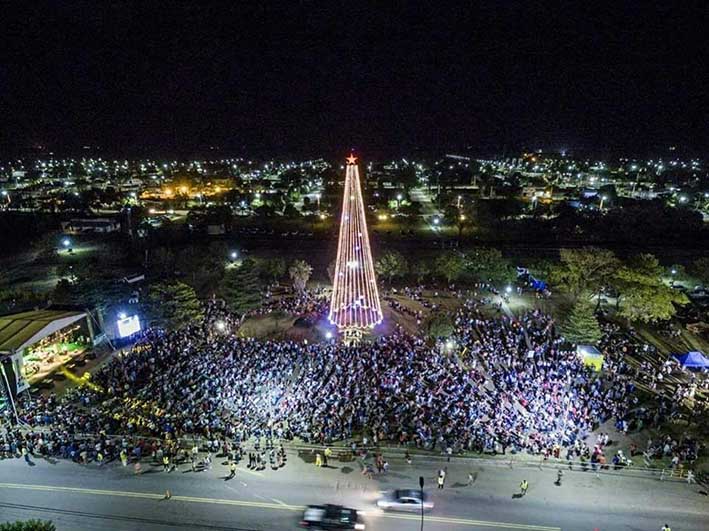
{"x":271,"y":326}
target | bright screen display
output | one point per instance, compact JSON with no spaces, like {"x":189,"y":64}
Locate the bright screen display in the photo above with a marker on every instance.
{"x":128,"y":326}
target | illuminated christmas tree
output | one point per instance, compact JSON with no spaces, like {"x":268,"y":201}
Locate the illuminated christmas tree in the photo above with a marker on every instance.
{"x":355,"y":305}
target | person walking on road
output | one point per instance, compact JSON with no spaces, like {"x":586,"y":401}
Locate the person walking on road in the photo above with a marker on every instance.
{"x":441,"y":478}
{"x":165,"y":463}
{"x":523,"y":487}
{"x":327,"y":455}
{"x":559,"y":475}
{"x":666,"y":528}
{"x":232,"y":469}
{"x":124,"y":458}
{"x":318,"y":460}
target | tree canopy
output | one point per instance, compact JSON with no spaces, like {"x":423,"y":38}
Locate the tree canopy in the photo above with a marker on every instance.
{"x":300,"y":272}
{"x":240,"y":287}
{"x":488,"y":265}
{"x":450,"y":265}
{"x":172,"y":305}
{"x":587,"y":269}
{"x":28,"y":525}
{"x":700,"y":269}
{"x":581,"y":325}
{"x":641,"y":293}
{"x":440,"y":326}
{"x":391,"y":265}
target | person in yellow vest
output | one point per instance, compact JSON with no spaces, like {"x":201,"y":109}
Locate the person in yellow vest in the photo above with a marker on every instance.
{"x":165,"y":463}
{"x":318,"y":459}
{"x":523,"y":487}
{"x":666,"y":528}
{"x":124,"y":458}
{"x":328,"y":454}
{"x":232,"y":469}
{"x":99,"y":459}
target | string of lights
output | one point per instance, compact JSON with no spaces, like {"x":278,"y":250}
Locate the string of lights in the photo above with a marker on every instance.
{"x":355,"y":304}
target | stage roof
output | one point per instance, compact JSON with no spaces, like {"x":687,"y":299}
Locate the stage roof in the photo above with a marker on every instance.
{"x":21,"y":330}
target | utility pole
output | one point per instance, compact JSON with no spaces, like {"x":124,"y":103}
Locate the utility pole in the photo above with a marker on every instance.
{"x":421,"y":487}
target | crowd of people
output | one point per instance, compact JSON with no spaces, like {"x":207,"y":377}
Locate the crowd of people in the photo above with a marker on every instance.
{"x":505,"y":384}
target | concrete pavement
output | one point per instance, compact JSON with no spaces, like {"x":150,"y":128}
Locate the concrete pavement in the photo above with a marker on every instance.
{"x":86,"y":497}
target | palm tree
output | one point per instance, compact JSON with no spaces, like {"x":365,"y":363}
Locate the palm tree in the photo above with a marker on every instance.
{"x":300,"y":272}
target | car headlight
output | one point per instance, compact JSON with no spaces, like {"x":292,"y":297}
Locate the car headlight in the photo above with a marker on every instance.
{"x":359,"y":526}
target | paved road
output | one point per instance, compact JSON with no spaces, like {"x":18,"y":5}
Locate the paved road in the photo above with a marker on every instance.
{"x":428,"y":208}
{"x":81,"y":498}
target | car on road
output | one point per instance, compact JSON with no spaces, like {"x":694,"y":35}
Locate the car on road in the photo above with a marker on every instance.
{"x":411,"y":500}
{"x":330,"y":517}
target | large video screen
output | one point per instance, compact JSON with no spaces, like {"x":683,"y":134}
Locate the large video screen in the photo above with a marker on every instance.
{"x":128,"y":326}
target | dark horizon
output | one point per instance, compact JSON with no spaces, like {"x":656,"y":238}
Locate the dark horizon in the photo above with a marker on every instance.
{"x":305,"y":80}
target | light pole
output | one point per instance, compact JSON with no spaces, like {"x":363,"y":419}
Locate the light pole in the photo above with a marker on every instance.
{"x":421,"y":487}
{"x":603,"y":200}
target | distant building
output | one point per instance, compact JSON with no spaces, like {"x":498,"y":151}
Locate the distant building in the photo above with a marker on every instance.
{"x":89,"y":225}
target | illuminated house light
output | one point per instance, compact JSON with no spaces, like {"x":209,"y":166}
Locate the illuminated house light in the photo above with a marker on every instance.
{"x":355,"y":302}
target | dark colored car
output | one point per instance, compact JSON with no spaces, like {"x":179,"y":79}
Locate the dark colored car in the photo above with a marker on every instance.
{"x":330,"y":517}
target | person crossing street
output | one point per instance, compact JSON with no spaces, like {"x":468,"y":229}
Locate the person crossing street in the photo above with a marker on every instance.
{"x":523,"y":486}
{"x":441,"y":478}
{"x":232,"y":469}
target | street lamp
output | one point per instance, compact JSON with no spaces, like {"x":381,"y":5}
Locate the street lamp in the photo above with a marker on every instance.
{"x":234,"y":255}
{"x":508,"y":289}
{"x":436,"y":221}
{"x":604,"y":198}
{"x":66,"y":242}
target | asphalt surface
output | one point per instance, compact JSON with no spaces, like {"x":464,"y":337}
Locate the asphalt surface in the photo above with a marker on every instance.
{"x":78,"y":498}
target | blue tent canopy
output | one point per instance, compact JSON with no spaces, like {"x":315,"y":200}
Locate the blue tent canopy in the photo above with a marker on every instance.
{"x":693,"y":360}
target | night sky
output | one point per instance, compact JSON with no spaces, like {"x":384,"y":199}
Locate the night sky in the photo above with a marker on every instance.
{"x":174,"y":78}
